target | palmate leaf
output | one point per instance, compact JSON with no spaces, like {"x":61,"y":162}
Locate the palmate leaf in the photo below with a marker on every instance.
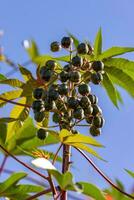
{"x":115,"y":51}
{"x":10,"y":95}
{"x":27,"y":75}
{"x":98,"y":44}
{"x":110,"y":89}
{"x":121,"y":78}
{"x":12,"y":82}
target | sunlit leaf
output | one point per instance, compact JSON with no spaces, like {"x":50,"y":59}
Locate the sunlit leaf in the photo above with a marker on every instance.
{"x":98,"y":43}
{"x":12,"y":82}
{"x":75,"y":40}
{"x":2,"y":77}
{"x":27,"y":75}
{"x":130,"y":173}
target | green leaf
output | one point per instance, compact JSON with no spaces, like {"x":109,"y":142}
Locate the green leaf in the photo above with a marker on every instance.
{"x":27,"y":75}
{"x":7,"y":120}
{"x":75,"y":40}
{"x":92,"y":191}
{"x":3,"y":132}
{"x":63,"y":58}
{"x":42,"y":59}
{"x":98,"y":43}
{"x":110,"y":89}
{"x":31,"y":49}
{"x":13,"y":179}
{"x":2,"y":77}
{"x":12,"y":82}
{"x":130,"y":173}
{"x":115,"y":51}
{"x":122,"y":79}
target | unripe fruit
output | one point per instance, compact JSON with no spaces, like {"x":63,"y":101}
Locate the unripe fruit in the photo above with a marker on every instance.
{"x":96,"y":110}
{"x":93,"y":99}
{"x":37,"y":93}
{"x":88,"y":110}
{"x":84,"y":102}
{"x":63,"y":89}
{"x":98,"y":121}
{"x":37,"y":105}
{"x":67,"y":67}
{"x":72,"y":102}
{"x":45,"y":74}
{"x":82,"y":48}
{"x":51,"y":64}
{"x":55,"y":46}
{"x":75,"y":76}
{"x":56,"y":118}
{"x":64,"y":76}
{"x":77,"y":61}
{"x":42,"y":134}
{"x":53,"y":94}
{"x":78,"y":113}
{"x":96,"y":78}
{"x":95,"y":131}
{"x":66,"y":42}
{"x":84,"y":89}
{"x":89,"y":119}
{"x":39,"y":116}
{"x":97,"y":66}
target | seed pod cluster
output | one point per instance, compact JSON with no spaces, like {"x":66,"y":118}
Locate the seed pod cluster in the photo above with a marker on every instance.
{"x":69,"y":98}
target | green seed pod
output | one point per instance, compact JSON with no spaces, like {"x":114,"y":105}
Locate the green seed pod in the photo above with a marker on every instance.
{"x":75,"y":76}
{"x":98,"y":121}
{"x":37,"y":93}
{"x":42,"y":134}
{"x":78,"y":113}
{"x":72,"y":102}
{"x":95,"y":131}
{"x":96,"y":110}
{"x":63,"y":89}
{"x":96,"y":78}
{"x":84,"y":102}
{"x":51,"y":64}
{"x":66,"y":42}
{"x":37,"y":105}
{"x":84,"y":89}
{"x":88,"y":110}
{"x":39,"y":116}
{"x":98,"y":66}
{"x":82,"y":48}
{"x":56,"y":118}
{"x":55,"y":46}
{"x":93,"y":99}
{"x":64,"y":76}
{"x":89,"y":119}
{"x":77,"y":61}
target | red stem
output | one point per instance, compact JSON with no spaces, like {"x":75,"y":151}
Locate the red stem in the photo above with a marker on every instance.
{"x":16,"y":103}
{"x":39,"y":194}
{"x":3,"y":164}
{"x":102,"y":174}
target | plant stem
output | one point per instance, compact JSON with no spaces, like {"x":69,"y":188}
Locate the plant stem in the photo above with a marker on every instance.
{"x":40,"y":194}
{"x":52,"y":186}
{"x":3,"y":164}
{"x":56,"y":154}
{"x":13,"y":102}
{"x":102,"y":174}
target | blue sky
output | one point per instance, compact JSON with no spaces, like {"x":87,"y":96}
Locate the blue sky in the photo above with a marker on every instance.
{"x":46,"y":21}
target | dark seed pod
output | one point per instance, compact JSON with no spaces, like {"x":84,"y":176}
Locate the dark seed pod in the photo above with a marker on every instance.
{"x":53,"y":94}
{"x":75,"y":132}
{"x":95,"y":131}
{"x":72,"y":102}
{"x":96,"y":110}
{"x":75,"y":76}
{"x":89,"y":119}
{"x":84,"y":102}
{"x":84,"y":89}
{"x":55,"y":46}
{"x":39,"y":116}
{"x":56,"y":118}
{"x":66,"y":42}
{"x":88,"y":110}
{"x":37,"y":105}
{"x":96,"y":78}
{"x":49,"y":105}
{"x":44,"y":95}
{"x":82,"y":48}
{"x":93,"y":98}
{"x":37,"y":93}
{"x":51,"y":64}
{"x":60,"y":106}
{"x":98,"y":66}
{"x":64,"y":76}
{"x":63,"y":89}
{"x":42,"y":134}
{"x":67,"y":67}
{"x":98,"y":121}
{"x":78,"y":113}
{"x":45,"y":74}
{"x":77,"y":61}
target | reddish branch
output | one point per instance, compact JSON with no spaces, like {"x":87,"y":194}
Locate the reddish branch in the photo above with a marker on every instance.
{"x":102,"y":174}
{"x":16,"y":103}
{"x":40,"y":194}
{"x":3,"y":164}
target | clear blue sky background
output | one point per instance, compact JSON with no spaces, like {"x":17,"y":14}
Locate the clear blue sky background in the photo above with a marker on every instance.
{"x":47,"y":20}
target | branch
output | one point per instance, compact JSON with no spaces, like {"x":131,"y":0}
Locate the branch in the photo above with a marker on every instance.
{"x":13,"y":102}
{"x":40,"y":194}
{"x":24,"y":164}
{"x":56,"y":154}
{"x":102,"y":174}
{"x":3,"y":164}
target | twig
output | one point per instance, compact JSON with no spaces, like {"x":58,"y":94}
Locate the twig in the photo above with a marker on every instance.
{"x":102,"y":174}
{"x":13,"y":102}
{"x":56,"y":154}
{"x":3,"y":164}
{"x":24,"y":164}
{"x":52,"y":186}
{"x":40,"y":194}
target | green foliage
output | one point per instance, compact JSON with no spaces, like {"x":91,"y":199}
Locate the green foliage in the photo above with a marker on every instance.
{"x":98,"y":44}
{"x":130,"y":173}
